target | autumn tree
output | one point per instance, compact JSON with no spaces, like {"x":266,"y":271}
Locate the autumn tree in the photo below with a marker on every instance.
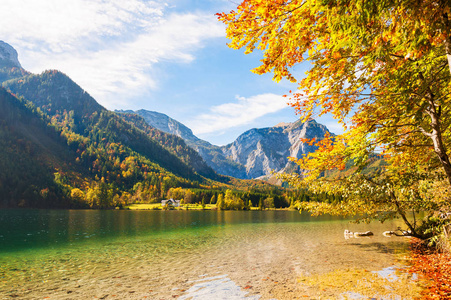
{"x":77,"y":195}
{"x":188,"y":196}
{"x":176,"y":193}
{"x":220,"y":204}
{"x":382,"y":69}
{"x":268,"y":202}
{"x":232,"y":202}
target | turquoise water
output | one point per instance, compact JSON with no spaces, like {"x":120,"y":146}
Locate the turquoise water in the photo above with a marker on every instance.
{"x":32,"y":229}
{"x":87,"y":254}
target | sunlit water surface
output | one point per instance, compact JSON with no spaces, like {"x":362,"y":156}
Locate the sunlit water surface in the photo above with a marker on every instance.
{"x":88,"y":254}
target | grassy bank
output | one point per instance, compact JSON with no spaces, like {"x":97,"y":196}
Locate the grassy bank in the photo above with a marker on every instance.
{"x":157,"y":206}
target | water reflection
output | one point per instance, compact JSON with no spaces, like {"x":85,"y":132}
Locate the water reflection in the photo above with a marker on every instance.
{"x":28,"y":229}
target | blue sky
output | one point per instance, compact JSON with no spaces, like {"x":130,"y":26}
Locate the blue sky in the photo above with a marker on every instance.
{"x":165,"y":56}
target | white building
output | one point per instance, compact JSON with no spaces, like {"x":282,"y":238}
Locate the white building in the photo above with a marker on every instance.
{"x":175,"y":203}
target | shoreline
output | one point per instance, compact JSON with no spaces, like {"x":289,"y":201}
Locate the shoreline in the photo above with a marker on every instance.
{"x":434,"y":269}
{"x":158,"y":206}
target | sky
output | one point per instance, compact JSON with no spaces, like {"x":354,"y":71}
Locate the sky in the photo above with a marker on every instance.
{"x":165,"y":56}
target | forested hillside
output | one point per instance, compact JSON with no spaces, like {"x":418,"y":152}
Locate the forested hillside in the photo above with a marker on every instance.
{"x":99,"y":160}
{"x":60,"y":148}
{"x":211,"y":154}
{"x":255,"y":153}
{"x":77,"y":114}
{"x":173,"y":144}
{"x":31,"y":152}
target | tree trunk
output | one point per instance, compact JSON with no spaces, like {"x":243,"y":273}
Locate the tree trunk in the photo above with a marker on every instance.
{"x":436,"y":134}
{"x":402,"y":213}
{"x":441,"y":153}
{"x":447,"y":30}
{"x":449,"y":59}
{"x":448,"y":51}
{"x":437,"y":140}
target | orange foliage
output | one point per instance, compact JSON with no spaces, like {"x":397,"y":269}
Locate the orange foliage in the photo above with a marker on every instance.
{"x":434,"y":268}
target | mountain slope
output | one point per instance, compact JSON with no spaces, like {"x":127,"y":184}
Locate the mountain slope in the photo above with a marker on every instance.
{"x":46,"y":164}
{"x":172,"y":143}
{"x":167,"y":124}
{"x":10,"y":67}
{"x":31,"y":152}
{"x":72,"y":109}
{"x":255,"y":153}
{"x":213,"y":155}
{"x":61,"y":148}
{"x":8,"y":56}
{"x":266,"y":149}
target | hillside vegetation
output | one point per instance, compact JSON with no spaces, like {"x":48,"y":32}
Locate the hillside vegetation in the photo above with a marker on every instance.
{"x":63,"y":149}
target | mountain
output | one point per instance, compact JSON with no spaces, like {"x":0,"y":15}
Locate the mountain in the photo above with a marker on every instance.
{"x":8,"y":56}
{"x":213,"y":155}
{"x":167,"y":124}
{"x":173,"y":144}
{"x":263,"y":150}
{"x":60,"y":146}
{"x":74,"y":110}
{"x":255,"y":153}
{"x":10,"y":67}
{"x":31,"y":152}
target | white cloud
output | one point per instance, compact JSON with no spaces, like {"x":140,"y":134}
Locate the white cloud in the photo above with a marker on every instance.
{"x":242,"y":112}
{"x":60,"y":24}
{"x":108,"y":47}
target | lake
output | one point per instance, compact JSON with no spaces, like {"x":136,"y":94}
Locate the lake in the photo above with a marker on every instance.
{"x":120,"y":254}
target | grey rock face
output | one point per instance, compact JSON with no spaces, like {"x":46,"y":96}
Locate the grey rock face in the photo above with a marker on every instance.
{"x":255,"y":153}
{"x":212,"y":154}
{"x":8,"y":56}
{"x":264,"y":150}
{"x":167,"y":124}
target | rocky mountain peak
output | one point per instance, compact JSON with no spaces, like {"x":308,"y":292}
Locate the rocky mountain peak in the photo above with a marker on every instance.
{"x":8,"y":56}
{"x":263,"y":150}
{"x":282,"y":124}
{"x":167,"y":124}
{"x":256,"y":152}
